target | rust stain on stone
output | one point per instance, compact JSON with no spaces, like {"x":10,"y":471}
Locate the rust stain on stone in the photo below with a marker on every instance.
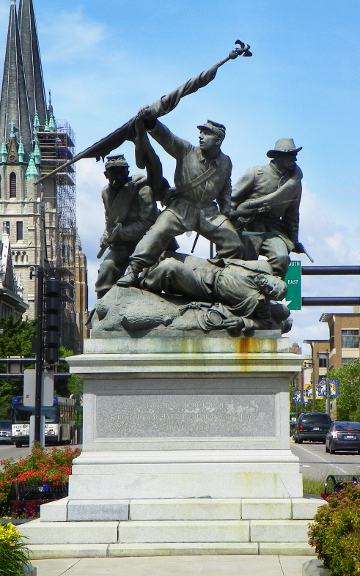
{"x":251,"y":345}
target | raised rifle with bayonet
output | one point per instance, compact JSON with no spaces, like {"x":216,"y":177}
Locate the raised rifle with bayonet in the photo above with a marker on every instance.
{"x":130,"y":131}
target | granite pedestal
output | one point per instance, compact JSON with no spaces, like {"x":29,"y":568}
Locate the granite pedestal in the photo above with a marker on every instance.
{"x":186,"y":441}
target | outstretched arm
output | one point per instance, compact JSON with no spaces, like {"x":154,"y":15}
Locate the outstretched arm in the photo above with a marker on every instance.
{"x":242,"y":188}
{"x":173,"y":145}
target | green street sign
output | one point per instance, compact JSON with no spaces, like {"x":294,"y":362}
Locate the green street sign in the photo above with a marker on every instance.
{"x":293,"y":282}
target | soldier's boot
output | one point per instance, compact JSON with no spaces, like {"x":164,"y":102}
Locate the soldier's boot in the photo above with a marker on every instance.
{"x":132,"y":275}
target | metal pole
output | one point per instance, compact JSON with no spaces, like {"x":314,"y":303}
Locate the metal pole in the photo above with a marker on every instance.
{"x":329,"y":270}
{"x":39,"y":353}
{"x":328,"y":397}
{"x":331,"y":301}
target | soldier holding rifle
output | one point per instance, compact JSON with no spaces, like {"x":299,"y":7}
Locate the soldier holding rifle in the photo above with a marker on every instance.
{"x":200,"y":200}
{"x":129,"y":211}
{"x":265,"y":202}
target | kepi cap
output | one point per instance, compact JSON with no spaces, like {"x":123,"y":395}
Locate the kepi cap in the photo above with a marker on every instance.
{"x":214,"y":127}
{"x":283,"y":146}
{"x":118,"y":161}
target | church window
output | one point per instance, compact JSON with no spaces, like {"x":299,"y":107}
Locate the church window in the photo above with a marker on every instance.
{"x":19,"y":231}
{"x":12,"y":185}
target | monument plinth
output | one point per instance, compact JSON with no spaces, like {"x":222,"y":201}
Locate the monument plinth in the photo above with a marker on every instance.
{"x":186,"y":451}
{"x":185,"y":418}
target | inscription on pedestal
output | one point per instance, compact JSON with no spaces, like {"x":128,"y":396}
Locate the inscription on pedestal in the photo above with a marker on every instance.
{"x":185,"y":415}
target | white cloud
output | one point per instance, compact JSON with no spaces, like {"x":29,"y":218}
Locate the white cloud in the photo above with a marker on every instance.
{"x":329,"y":239}
{"x":92,"y":266}
{"x":70,"y":36}
{"x":331,"y":242}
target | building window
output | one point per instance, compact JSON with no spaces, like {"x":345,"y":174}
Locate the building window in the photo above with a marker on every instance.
{"x":6,"y":227}
{"x":323,"y":360}
{"x":12,"y":185}
{"x":350,"y":338}
{"x":19,"y":231}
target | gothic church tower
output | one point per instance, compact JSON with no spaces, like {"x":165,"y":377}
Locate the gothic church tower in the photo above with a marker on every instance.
{"x":39,"y":218}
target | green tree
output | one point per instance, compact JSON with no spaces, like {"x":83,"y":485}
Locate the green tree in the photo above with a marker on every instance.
{"x":16,"y":339}
{"x":348,"y":401}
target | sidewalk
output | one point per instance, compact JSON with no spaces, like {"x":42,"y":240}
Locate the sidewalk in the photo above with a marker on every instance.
{"x":175,"y":566}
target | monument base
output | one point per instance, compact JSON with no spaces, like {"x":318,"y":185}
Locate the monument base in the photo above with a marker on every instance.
{"x":186,"y":443}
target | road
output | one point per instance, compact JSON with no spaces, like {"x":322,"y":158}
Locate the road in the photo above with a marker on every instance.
{"x":315,"y":462}
{"x":9,"y":451}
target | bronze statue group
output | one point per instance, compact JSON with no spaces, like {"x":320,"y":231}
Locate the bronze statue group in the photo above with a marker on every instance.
{"x":258,"y":216}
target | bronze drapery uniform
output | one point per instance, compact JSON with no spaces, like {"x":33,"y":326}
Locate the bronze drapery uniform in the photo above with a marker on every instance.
{"x":201,"y":189}
{"x":230,"y":282}
{"x":280,"y":193}
{"x":134,"y":209}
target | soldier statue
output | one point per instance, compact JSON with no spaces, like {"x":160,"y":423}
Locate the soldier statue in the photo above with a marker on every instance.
{"x":129,"y":212}
{"x":245,"y":288}
{"x":200,"y":200}
{"x":265,"y":202}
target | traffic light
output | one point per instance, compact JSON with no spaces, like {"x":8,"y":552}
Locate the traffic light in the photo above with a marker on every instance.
{"x":52,"y":320}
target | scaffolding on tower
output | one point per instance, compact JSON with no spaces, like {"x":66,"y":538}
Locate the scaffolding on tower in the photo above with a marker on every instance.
{"x":57,"y":145}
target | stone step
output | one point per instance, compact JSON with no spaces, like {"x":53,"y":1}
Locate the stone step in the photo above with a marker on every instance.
{"x":184,"y":531}
{"x":70,"y":532}
{"x":225,"y":509}
{"x":213,"y":531}
{"x":53,"y":551}
{"x":181,"y":509}
{"x":164,"y":531}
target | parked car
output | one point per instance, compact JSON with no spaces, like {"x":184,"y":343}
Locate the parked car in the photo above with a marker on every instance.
{"x":5,"y":432}
{"x":312,"y":426}
{"x":343,"y":436}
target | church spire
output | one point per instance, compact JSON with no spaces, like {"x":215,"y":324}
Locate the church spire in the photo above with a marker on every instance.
{"x":32,"y":61}
{"x":14,"y":99}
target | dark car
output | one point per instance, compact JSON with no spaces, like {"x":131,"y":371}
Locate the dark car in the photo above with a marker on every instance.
{"x":312,"y":426}
{"x":343,"y":436}
{"x":5,"y":432}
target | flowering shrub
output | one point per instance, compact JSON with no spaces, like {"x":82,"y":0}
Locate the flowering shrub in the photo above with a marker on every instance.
{"x":46,"y":468}
{"x":13,"y":553}
{"x":335,"y":533}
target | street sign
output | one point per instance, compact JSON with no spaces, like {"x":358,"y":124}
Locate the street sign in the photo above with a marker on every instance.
{"x":47,"y":390}
{"x":293,"y":282}
{"x":29,"y":387}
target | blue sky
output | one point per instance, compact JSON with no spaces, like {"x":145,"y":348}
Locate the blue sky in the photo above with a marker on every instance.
{"x":105,"y":60}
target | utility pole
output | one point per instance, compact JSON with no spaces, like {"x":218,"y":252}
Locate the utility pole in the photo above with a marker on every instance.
{"x":328,"y":396}
{"x":47,"y":340}
{"x":39,"y":351}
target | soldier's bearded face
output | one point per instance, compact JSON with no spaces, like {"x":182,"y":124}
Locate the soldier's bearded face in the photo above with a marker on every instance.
{"x":285,"y":161}
{"x":117,"y":177}
{"x":208,"y":140}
